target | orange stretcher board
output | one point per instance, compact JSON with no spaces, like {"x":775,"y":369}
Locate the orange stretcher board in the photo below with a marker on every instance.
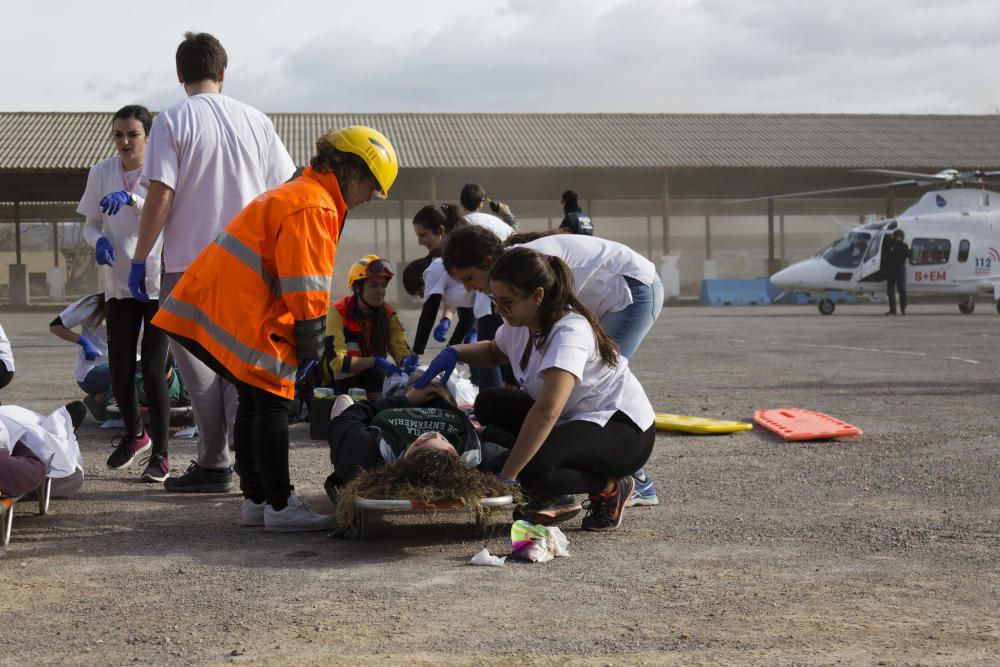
{"x":799,"y":424}
{"x":698,"y":425}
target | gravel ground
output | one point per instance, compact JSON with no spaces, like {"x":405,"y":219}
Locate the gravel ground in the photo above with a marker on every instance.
{"x":880,"y":549}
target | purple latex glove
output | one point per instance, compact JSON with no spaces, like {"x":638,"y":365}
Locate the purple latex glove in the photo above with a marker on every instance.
{"x":104,"y":252}
{"x":444,"y":362}
{"x":137,"y":280}
{"x":90,"y":351}
{"x":113,"y":202}
{"x":441,"y":330}
{"x":387,"y":367}
{"x":410,"y":363}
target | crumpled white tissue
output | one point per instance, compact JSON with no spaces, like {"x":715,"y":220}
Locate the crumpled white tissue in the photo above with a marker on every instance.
{"x":484,"y":558}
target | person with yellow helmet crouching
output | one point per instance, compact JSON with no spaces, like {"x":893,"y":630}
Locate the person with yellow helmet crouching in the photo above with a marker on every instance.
{"x":253,"y":308}
{"x":362,"y":330}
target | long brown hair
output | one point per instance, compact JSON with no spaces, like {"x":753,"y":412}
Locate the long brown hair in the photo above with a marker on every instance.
{"x":469,"y":246}
{"x":520,"y":238}
{"x":525,"y":270}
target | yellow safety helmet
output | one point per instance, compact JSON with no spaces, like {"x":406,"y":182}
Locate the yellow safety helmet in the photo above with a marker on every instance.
{"x":369,"y":266}
{"x":372,"y":147}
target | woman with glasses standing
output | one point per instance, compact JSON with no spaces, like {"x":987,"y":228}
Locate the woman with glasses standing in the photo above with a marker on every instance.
{"x":112,"y":203}
{"x":362,"y":330}
{"x":581,"y":422}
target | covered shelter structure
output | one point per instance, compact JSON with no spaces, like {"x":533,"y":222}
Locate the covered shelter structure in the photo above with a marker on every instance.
{"x":658,"y":182}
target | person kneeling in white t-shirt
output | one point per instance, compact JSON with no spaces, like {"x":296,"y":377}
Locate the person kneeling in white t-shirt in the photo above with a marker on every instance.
{"x":582,"y":421}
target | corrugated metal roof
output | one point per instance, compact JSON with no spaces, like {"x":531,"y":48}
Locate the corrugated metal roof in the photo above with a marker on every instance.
{"x":38,"y":141}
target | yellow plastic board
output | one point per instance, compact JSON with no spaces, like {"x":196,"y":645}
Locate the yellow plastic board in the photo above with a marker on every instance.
{"x":698,"y":425}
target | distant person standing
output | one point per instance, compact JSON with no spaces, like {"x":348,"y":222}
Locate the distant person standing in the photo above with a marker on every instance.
{"x":894,"y":256}
{"x":473,"y":198}
{"x":208,"y":157}
{"x":575,"y":220}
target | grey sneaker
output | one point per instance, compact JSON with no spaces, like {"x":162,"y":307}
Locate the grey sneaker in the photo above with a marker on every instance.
{"x":251,"y":513}
{"x":297,"y":517}
{"x":201,"y":480}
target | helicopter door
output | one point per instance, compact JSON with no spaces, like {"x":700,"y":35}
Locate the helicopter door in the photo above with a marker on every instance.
{"x":872,"y":261}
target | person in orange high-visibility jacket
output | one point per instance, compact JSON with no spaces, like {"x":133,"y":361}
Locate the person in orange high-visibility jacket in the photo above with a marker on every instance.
{"x":253,"y":307}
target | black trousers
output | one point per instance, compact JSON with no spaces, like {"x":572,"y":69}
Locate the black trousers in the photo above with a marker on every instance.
{"x":260,"y":435}
{"x":578,"y":456}
{"x":125,"y":319}
{"x":486,"y":329}
{"x":896,"y":281}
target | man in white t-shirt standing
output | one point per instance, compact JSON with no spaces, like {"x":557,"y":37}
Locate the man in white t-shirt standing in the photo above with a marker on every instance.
{"x":208,"y":157}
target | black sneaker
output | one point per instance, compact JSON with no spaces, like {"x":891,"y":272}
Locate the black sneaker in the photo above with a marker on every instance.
{"x":605,"y":512}
{"x":127,"y":448}
{"x":157,"y":468}
{"x":201,"y":480}
{"x":547,"y":511}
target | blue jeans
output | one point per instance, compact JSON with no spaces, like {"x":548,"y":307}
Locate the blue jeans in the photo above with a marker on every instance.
{"x":98,"y":380}
{"x":629,"y":326}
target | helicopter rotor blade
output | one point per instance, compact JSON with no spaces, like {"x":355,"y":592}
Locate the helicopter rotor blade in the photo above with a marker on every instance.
{"x":855,"y":188}
{"x":929,"y":178}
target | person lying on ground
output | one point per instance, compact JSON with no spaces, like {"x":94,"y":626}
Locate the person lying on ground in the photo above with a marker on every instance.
{"x":33,"y":447}
{"x":368,"y":434}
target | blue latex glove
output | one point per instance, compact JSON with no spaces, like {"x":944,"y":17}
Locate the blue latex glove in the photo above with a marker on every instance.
{"x":387,"y":367}
{"x":441,"y":330}
{"x":137,"y":280}
{"x":90,"y":351}
{"x":444,"y":362}
{"x":104,"y":252}
{"x":304,"y":367}
{"x":113,"y":202}
{"x":472,"y":336}
{"x":410,"y":363}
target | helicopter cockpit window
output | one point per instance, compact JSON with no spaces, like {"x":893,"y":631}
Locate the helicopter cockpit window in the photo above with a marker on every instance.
{"x":963,"y":250}
{"x":848,"y":252}
{"x":930,"y":251}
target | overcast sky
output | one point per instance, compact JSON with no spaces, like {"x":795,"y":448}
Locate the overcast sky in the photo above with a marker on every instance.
{"x":848,"y":56}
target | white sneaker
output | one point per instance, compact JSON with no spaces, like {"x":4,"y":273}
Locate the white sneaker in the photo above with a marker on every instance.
{"x":340,"y":404}
{"x":252,"y":514}
{"x":297,"y":517}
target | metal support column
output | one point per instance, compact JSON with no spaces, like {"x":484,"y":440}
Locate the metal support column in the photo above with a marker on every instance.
{"x":666,"y":214}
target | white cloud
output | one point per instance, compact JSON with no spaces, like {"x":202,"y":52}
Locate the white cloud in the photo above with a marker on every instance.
{"x":882,"y":56}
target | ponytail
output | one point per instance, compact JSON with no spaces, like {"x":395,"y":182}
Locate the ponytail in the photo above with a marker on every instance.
{"x":525,"y":270}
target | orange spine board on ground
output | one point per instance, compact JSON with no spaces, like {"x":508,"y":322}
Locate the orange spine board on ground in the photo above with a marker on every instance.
{"x":799,"y":424}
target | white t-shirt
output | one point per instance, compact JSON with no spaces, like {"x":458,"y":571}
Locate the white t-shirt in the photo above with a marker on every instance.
{"x":76,"y":315}
{"x":122,"y":229}
{"x":437,"y":281}
{"x":599,"y":268}
{"x":6,"y":354}
{"x":217,"y":155}
{"x":483,"y":306}
{"x":599,"y":392}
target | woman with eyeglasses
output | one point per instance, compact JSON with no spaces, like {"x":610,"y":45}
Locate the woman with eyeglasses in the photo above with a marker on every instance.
{"x":581,"y":422}
{"x":362,"y":330}
{"x":112,"y":203}
{"x":432,"y":224}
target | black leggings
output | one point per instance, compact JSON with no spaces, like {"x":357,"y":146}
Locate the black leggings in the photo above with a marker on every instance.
{"x":125,"y":318}
{"x":578,"y":456}
{"x":486,"y":329}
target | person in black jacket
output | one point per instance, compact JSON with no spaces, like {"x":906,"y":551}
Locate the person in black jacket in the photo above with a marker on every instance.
{"x":576,"y":221}
{"x":894,"y":256}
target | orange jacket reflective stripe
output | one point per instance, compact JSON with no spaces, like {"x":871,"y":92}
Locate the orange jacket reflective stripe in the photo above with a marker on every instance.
{"x":269,"y":267}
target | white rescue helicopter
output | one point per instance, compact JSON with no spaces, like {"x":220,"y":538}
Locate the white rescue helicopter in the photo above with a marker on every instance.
{"x":953,"y":233}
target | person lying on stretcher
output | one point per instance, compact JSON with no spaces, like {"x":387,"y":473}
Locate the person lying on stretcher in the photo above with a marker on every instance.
{"x":368,"y":434}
